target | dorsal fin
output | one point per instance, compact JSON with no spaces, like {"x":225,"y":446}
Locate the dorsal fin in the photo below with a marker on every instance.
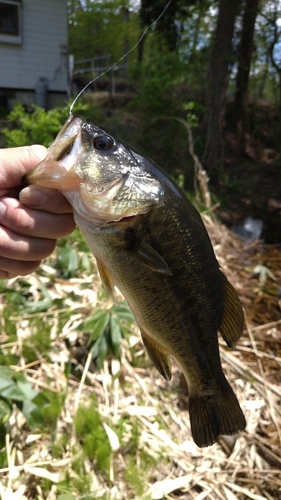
{"x":233,"y":320}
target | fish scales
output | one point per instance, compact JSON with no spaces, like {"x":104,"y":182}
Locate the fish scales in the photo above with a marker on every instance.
{"x":180,"y":314}
{"x":150,"y":241}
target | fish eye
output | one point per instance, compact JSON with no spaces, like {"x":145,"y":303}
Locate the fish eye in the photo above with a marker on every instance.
{"x":103,"y":142}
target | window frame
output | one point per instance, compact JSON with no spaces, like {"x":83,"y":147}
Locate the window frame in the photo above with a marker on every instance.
{"x":6,"y":37}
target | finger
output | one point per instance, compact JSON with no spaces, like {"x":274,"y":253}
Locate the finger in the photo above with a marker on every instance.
{"x":47,"y":200}
{"x":15,"y":162}
{"x":33,"y":223}
{"x":12,"y":268}
{"x":14,"y":246}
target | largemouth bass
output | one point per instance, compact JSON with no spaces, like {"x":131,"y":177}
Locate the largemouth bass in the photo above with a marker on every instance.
{"x":150,"y":242}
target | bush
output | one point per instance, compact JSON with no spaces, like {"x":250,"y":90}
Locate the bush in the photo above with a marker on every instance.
{"x":35,"y":127}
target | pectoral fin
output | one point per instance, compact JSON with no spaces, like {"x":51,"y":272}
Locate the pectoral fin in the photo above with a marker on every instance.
{"x":150,"y":258}
{"x":233,"y":320}
{"x":159,"y":356}
{"x":107,"y":280}
{"x":142,"y":251}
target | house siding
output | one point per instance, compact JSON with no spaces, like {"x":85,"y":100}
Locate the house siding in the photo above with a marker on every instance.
{"x":42,"y":53}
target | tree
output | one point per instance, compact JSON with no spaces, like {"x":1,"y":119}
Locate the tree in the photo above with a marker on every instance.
{"x":218,"y":72}
{"x":244,"y":62}
{"x":274,"y":50}
{"x":99,"y":29}
{"x":266,"y":60}
{"x":168,"y":27}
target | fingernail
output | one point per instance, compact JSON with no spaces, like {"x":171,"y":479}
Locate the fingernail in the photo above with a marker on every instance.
{"x":33,"y":196}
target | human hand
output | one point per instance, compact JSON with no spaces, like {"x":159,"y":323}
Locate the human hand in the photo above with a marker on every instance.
{"x":31,"y":219}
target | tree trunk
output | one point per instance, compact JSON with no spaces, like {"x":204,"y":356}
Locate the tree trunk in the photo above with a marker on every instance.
{"x":275,"y":41}
{"x":219,"y":64}
{"x":244,"y":62}
{"x":141,"y":48}
{"x":126,"y":18}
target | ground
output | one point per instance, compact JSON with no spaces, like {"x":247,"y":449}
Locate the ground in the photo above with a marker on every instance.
{"x":249,"y":180}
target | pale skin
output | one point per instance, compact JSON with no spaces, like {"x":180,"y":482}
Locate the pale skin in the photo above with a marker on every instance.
{"x":31,"y":218}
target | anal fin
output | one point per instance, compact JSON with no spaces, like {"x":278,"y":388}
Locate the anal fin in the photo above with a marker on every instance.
{"x":158,"y":355}
{"x":233,"y":320}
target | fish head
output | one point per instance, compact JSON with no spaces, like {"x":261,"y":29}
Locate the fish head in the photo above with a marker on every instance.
{"x":104,"y":180}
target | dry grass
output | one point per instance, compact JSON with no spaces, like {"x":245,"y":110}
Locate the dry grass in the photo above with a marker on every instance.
{"x":248,"y":468}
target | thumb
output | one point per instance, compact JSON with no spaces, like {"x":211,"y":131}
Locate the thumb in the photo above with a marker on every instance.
{"x":45,"y":200}
{"x":15,"y":162}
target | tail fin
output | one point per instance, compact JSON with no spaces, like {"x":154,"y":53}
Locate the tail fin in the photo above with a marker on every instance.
{"x":211,"y":416}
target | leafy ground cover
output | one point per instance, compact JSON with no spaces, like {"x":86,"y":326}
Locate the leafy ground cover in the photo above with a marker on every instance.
{"x":84,"y":415}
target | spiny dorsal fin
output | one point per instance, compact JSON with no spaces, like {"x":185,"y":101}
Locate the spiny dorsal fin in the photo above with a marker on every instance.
{"x":158,"y":355}
{"x":233,"y":320}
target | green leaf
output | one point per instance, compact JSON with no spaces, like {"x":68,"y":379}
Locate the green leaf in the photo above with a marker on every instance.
{"x":32,"y":414}
{"x":85,"y":262}
{"x":96,"y":347}
{"x":97,"y":323}
{"x":102,"y":352}
{"x":89,"y":324}
{"x":40,"y":305}
{"x":5,"y":410}
{"x":115,"y":334}
{"x":26,"y":387}
{"x":13,"y":392}
{"x":123,"y":312}
{"x":5,"y":382}
{"x":68,"y":260}
{"x":19,"y":390}
{"x":9,"y":389}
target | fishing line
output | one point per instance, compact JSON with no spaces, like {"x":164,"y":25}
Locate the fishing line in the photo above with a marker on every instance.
{"x":123,"y":57}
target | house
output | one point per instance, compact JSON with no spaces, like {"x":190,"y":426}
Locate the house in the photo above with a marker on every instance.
{"x":33,"y":52}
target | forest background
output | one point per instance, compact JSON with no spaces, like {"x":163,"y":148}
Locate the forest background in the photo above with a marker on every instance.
{"x":216,"y":64}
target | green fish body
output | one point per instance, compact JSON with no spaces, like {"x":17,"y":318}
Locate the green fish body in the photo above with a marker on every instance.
{"x":150,"y":242}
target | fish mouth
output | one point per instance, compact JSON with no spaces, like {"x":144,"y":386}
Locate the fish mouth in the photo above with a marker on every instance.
{"x":92,"y":201}
{"x":55,"y":171}
{"x":100,"y":178}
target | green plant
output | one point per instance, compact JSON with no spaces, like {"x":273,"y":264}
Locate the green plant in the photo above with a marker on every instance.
{"x":35,"y":127}
{"x":92,"y":435}
{"x":73,"y":255}
{"x":38,"y":127}
{"x":54,"y":403}
{"x":157,"y":85}
{"x":138,"y":462}
{"x":16,"y":389}
{"x":107,"y":328}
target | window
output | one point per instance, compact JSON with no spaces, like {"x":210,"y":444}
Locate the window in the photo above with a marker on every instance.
{"x":10,"y":21}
